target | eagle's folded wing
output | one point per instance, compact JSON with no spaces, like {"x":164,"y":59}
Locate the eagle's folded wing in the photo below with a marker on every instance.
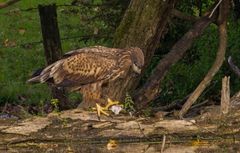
{"x":85,"y":66}
{"x":78,"y":69}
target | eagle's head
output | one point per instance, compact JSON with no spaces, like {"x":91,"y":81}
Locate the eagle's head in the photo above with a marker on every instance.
{"x":137,"y":57}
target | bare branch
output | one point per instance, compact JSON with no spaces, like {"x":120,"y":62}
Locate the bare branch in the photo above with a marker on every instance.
{"x":150,"y":89}
{"x":234,"y":68}
{"x":6,"y":4}
{"x":222,"y":21}
{"x":183,"y":16}
{"x":163,"y":143}
{"x":214,"y":9}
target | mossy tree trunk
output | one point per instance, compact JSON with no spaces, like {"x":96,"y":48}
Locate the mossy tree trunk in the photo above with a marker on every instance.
{"x":142,"y":26}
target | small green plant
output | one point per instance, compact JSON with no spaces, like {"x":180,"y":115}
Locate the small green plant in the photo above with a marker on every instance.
{"x":41,"y":105}
{"x":128,"y":103}
{"x":55,"y":103}
{"x":147,"y":112}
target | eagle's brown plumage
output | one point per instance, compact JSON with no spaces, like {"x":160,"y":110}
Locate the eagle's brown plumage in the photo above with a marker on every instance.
{"x":91,"y":65}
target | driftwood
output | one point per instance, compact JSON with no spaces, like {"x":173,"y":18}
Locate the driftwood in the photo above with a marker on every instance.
{"x":69,"y":129}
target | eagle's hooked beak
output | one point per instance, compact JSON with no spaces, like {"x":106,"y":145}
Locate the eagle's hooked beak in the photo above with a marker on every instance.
{"x":136,"y":69}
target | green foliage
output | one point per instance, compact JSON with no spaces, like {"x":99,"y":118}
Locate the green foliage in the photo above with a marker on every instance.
{"x":128,"y":103}
{"x":195,"y":8}
{"x":55,"y":103}
{"x":41,"y":105}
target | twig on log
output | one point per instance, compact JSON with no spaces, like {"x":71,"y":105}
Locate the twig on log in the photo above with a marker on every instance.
{"x":6,"y":4}
{"x":223,"y":13}
{"x":163,"y":143}
{"x":200,"y":104}
{"x":235,"y":99}
{"x":225,"y":95}
{"x":173,"y":105}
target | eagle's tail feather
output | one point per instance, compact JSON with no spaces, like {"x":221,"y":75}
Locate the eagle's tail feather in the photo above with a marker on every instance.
{"x":34,"y":79}
{"x":40,"y":76}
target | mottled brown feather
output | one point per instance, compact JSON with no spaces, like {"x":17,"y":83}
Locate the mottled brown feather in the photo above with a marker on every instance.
{"x":89,"y":65}
{"x":85,"y":68}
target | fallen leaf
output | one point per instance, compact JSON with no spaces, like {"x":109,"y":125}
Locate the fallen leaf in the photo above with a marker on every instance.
{"x":69,"y":150}
{"x":9,"y":43}
{"x":21,"y":31}
{"x":199,"y":143}
{"x":112,"y":144}
{"x":5,"y":43}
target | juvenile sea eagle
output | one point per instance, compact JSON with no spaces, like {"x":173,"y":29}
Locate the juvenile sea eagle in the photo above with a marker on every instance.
{"x":89,"y":66}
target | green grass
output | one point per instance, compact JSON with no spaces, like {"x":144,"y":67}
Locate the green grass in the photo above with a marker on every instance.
{"x":18,"y":58}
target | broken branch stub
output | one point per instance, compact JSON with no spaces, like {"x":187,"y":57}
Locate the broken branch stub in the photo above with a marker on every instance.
{"x":225,"y":95}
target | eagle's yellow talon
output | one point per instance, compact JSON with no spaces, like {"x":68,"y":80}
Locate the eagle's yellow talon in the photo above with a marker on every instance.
{"x":100,"y":110}
{"x":103,"y":110}
{"x":111,"y":103}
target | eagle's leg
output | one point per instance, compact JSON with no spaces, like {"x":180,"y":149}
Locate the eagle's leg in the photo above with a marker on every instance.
{"x":100,"y":110}
{"x":103,"y":110}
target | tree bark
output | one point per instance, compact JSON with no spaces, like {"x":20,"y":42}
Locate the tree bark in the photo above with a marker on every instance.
{"x":142,"y":26}
{"x":222,"y":21}
{"x":52,"y":45}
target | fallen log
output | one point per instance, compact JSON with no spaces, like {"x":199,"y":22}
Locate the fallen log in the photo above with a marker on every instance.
{"x":74,"y":127}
